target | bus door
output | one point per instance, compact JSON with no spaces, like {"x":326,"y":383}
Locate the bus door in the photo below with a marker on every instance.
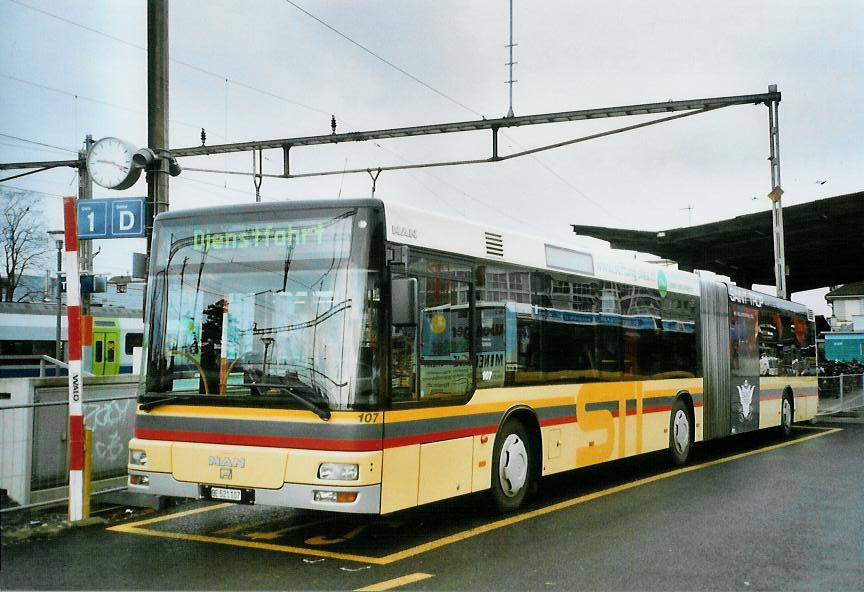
{"x":744,"y":364}
{"x":432,"y":364}
{"x":106,"y":354}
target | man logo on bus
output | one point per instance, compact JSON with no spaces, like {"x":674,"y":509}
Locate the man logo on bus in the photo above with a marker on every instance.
{"x":745,"y":395}
{"x":226,"y":461}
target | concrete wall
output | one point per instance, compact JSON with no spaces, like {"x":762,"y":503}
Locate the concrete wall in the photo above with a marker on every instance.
{"x":34,"y":439}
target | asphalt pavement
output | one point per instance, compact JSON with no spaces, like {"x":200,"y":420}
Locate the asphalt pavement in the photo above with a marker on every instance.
{"x":752,"y":512}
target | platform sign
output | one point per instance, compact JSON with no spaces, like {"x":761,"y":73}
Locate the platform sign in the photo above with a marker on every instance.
{"x":121,"y":217}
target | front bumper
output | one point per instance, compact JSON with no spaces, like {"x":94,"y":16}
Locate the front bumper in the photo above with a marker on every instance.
{"x":291,"y":495}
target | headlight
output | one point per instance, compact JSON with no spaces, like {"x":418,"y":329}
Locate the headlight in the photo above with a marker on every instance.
{"x":137,"y":457}
{"x":338,"y":471}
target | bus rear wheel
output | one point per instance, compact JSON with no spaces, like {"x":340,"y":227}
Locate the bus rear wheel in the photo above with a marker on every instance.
{"x":786,"y":415}
{"x":512,"y":476}
{"x":680,"y":433}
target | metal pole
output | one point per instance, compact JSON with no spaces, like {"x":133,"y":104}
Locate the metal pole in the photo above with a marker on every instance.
{"x":776,"y":193}
{"x":157,"y":110}
{"x":59,"y":292}
{"x":510,"y":62}
{"x":85,"y":253}
{"x":841,"y":391}
{"x":85,"y":191}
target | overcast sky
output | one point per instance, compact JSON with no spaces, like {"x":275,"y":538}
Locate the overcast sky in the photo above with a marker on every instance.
{"x":265,"y":69}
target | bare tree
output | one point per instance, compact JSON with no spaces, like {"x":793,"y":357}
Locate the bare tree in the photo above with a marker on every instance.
{"x":23,"y":239}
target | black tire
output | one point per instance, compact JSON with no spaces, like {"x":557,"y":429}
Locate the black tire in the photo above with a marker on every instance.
{"x":512,"y":467}
{"x":680,"y":433}
{"x":787,"y":415}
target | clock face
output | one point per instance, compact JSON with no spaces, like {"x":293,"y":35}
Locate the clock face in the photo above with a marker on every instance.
{"x":109,"y":163}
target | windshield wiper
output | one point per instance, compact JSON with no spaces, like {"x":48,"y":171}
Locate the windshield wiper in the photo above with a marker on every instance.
{"x":320,"y":409}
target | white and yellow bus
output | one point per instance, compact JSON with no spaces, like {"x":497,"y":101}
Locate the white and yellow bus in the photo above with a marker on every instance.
{"x":359,"y":357}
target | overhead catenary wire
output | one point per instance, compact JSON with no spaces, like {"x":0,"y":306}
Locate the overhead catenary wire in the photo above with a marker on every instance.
{"x":382,"y":59}
{"x":173,"y":60}
{"x":285,"y":99}
{"x":33,"y":172}
{"x":39,"y":143}
{"x":91,"y":100}
{"x":492,"y":159}
{"x":243,"y":84}
{"x":509,"y":113}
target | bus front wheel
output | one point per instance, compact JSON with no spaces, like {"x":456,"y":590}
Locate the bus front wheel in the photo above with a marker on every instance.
{"x":511,"y":467}
{"x":680,"y":433}
{"x":786,"y":414}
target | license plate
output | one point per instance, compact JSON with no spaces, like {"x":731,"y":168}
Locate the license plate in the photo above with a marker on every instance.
{"x":233,"y":495}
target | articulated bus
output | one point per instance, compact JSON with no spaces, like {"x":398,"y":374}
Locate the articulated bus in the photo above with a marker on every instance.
{"x":355,"y":356}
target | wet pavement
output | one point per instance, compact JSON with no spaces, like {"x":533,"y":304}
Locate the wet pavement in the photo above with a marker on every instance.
{"x":750,"y":512}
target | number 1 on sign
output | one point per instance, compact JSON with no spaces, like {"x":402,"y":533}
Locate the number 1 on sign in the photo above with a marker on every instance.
{"x":91,"y":218}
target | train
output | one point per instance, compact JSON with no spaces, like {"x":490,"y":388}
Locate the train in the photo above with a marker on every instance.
{"x":28,"y":331}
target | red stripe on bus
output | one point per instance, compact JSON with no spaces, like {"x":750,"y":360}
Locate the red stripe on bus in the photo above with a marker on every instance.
{"x":76,"y":442}
{"x":349,"y":445}
{"x":557,"y":421}
{"x":428,"y":437}
{"x":269,"y":441}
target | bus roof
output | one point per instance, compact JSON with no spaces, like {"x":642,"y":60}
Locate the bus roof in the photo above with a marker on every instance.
{"x":439,"y":232}
{"x":442,"y":233}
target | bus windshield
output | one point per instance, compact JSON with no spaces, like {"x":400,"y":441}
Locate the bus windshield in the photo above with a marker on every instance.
{"x":266,"y":312}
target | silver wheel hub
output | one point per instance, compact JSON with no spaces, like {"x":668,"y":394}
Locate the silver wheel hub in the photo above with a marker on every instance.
{"x":787,"y":413}
{"x":513,"y":465}
{"x":681,"y":431}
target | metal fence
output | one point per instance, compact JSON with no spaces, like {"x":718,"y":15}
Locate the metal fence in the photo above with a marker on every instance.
{"x":34,"y":425}
{"x":841,"y":393}
{"x":35,"y":365}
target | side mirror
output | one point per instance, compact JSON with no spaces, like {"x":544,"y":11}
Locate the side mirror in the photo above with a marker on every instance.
{"x":403,"y":302}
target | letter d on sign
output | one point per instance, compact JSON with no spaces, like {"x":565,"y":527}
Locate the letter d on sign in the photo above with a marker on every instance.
{"x":127,"y":220}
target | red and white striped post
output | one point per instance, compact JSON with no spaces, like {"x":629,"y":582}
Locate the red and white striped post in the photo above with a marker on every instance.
{"x":76,"y":384}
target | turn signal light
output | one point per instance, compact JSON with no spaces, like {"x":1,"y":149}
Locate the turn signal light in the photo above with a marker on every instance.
{"x":337,"y":497}
{"x":139,"y":480}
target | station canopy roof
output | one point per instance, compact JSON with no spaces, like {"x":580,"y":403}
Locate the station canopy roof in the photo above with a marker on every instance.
{"x":824,"y":244}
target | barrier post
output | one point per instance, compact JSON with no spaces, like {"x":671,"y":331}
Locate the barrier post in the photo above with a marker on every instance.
{"x":76,"y":386}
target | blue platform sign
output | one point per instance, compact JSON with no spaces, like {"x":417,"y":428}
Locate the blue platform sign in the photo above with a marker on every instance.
{"x":120,"y":217}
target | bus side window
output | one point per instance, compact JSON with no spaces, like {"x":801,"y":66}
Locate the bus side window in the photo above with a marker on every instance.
{"x":446,"y":370}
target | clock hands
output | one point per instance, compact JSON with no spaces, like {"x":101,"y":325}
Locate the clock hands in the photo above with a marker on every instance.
{"x":119,"y":166}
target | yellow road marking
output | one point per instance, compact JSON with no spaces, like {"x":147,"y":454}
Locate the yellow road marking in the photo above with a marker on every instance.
{"x":129,"y":528}
{"x":395,"y":582}
{"x":461,"y":536}
{"x":173,"y":516}
{"x":277,"y":533}
{"x":448,"y":540}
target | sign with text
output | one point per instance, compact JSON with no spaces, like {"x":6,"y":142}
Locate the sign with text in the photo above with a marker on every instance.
{"x":120,"y":217}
